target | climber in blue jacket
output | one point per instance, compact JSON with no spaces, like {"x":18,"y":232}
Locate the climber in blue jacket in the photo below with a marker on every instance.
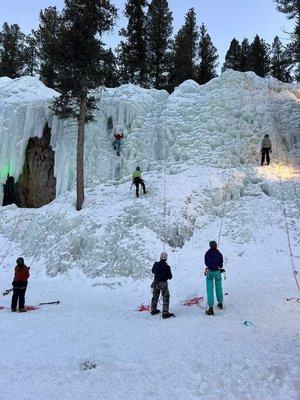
{"x":214,"y":266}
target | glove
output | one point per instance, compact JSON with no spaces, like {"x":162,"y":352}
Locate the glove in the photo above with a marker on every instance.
{"x":221,"y":270}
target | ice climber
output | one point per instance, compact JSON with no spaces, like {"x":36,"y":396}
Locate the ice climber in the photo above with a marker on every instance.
{"x":266,"y":149}
{"x":137,"y":180}
{"x":117,"y":142}
{"x":19,"y":285}
{"x":162,"y":273}
{"x":214,"y":266}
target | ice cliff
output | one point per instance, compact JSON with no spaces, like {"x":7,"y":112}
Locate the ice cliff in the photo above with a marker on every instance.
{"x":188,"y":139}
{"x":195,"y":124}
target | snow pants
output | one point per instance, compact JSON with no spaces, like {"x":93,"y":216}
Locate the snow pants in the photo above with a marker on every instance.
{"x":138,"y":182}
{"x":117,"y":146}
{"x":162,"y":287}
{"x":18,"y":296}
{"x":265,"y":153}
{"x":213,"y":279}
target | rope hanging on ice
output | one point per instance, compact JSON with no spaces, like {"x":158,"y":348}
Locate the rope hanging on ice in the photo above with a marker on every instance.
{"x":280,"y":129}
{"x":63,"y":204}
{"x":283,"y":204}
{"x":231,"y":167}
{"x":295,"y":272}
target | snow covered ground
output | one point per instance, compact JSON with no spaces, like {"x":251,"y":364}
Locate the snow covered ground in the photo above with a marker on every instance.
{"x":98,"y":262}
{"x":137,"y":356}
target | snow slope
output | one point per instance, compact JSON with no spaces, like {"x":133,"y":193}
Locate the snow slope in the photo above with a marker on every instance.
{"x":137,"y":356}
{"x":98,"y":262}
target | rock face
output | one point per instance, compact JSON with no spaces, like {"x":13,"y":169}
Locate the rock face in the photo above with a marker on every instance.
{"x":37,"y":184}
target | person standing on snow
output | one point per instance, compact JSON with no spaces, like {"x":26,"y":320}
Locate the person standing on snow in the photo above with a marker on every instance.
{"x":214,"y":266}
{"x":162,"y":273}
{"x":118,"y":141}
{"x":19,"y":285}
{"x":266,"y":149}
{"x":137,"y":181}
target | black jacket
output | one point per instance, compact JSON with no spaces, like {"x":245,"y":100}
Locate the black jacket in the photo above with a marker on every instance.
{"x":162,"y":271}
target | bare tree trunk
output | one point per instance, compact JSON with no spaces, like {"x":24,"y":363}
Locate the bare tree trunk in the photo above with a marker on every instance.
{"x":80,"y":148}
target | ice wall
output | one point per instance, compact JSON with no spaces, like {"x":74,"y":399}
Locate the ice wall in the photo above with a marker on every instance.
{"x":24,"y":110}
{"x":195,"y":125}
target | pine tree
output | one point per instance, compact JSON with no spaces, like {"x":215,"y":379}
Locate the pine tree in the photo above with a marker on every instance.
{"x":184,"y":51}
{"x":110,"y":69}
{"x":46,"y":37}
{"x":280,"y":61}
{"x":159,"y":31}
{"x":12,"y":45}
{"x":259,"y":57}
{"x":79,"y":59}
{"x":30,"y":56}
{"x":208,"y":57}
{"x":132,"y":51}
{"x":245,"y":56}
{"x":233,"y":56}
{"x":292,"y":9}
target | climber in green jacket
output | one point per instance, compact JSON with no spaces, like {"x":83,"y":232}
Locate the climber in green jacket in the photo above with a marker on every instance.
{"x":137,"y":180}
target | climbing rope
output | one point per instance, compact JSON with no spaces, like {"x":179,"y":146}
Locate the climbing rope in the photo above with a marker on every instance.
{"x":283,"y":202}
{"x":60,"y":209}
{"x":228,"y":183}
{"x":164,"y":213}
{"x":280,"y":130}
{"x":107,"y":111}
{"x":192,"y":301}
{"x":295,"y":272}
{"x":10,"y":241}
{"x":296,"y":299}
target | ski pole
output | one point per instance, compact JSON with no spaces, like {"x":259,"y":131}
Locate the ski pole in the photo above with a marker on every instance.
{"x":49,"y":302}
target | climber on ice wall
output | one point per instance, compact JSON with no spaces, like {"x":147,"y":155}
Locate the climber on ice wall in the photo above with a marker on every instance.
{"x":214,"y":267}
{"x":266,"y":149}
{"x":162,"y":273}
{"x":137,"y":180}
{"x":118,"y":142}
{"x":20,"y":285}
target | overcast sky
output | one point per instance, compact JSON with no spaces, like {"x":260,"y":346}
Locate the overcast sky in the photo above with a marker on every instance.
{"x":224,"y":19}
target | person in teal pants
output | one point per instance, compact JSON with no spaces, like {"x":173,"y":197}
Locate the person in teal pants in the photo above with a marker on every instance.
{"x":214,"y":266}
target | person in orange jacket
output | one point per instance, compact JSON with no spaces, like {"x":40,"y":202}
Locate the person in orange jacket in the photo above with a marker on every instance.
{"x":19,"y":285}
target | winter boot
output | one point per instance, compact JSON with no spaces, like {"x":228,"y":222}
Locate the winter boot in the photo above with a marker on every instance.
{"x":13,"y":310}
{"x":210,"y":311}
{"x":220,"y":305}
{"x":22,"y":310}
{"x":155,"y":312}
{"x":168,"y":315}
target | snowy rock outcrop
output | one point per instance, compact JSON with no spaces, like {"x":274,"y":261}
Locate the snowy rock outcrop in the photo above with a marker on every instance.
{"x":24,"y":111}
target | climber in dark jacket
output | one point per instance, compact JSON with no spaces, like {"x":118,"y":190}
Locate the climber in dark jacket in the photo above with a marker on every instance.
{"x":20,"y":285}
{"x":162,"y":273}
{"x":214,"y":266}
{"x":266,"y":149}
